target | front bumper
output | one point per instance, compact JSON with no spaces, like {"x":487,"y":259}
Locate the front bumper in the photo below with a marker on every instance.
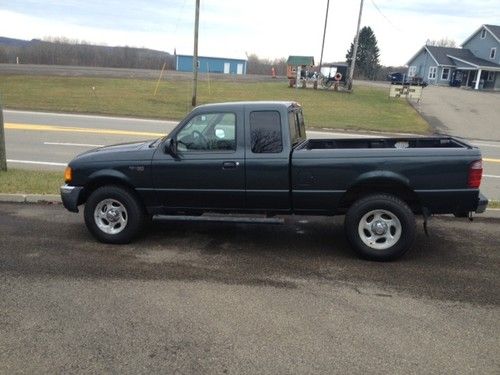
{"x":70,"y":196}
{"x":482,"y":204}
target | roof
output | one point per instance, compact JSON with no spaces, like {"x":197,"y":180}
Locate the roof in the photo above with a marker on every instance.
{"x":211,"y":57}
{"x":494,"y":30}
{"x":300,"y":60}
{"x":449,"y":56}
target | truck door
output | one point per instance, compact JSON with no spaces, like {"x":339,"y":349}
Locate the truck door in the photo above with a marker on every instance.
{"x":267,"y":161}
{"x":209,"y":171}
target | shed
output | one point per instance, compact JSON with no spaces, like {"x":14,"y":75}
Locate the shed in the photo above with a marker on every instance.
{"x":184,"y":63}
{"x":298,"y":61}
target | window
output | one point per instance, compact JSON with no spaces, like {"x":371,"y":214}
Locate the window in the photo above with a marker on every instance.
{"x":432,"y":72}
{"x":493,"y":52}
{"x":483,"y":33}
{"x":208,"y":132}
{"x":297,"y":128}
{"x":411,"y":71}
{"x":491,"y":76}
{"x":445,"y":74}
{"x":265,"y":132}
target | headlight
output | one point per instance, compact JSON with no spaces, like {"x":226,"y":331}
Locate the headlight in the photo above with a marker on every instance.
{"x":68,"y":175}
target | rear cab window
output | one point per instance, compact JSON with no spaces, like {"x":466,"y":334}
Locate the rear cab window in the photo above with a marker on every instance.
{"x":265,"y":132}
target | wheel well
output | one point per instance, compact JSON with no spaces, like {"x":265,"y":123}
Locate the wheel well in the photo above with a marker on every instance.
{"x":394,"y":188}
{"x":103,"y":181}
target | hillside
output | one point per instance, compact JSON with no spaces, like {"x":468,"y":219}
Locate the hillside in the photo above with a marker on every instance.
{"x":64,"y":52}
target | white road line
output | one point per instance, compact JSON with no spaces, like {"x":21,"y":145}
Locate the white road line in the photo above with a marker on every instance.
{"x":72,"y":144}
{"x":37,"y":162}
{"x":485,"y":144}
{"x":490,"y":176}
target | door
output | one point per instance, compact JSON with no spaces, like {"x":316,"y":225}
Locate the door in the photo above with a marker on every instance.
{"x":239,"y":69}
{"x":209,"y":172}
{"x":267,"y":161}
{"x":227,"y":68}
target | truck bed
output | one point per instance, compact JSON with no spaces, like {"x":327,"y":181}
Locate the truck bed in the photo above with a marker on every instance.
{"x":435,"y":169}
{"x":370,"y":143}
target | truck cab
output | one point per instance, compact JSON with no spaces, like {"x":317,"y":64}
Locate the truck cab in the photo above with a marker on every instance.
{"x":232,"y":156}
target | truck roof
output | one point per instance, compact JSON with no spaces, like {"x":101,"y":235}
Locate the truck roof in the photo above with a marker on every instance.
{"x":257,"y":104}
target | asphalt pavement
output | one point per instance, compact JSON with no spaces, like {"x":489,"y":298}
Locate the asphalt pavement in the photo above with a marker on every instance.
{"x":462,"y":112}
{"x":227,"y":298}
{"x":51,"y":140}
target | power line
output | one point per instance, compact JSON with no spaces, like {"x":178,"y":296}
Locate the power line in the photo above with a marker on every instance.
{"x":383,"y":15}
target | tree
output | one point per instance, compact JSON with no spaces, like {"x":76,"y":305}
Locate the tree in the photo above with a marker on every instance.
{"x":367,"y":62}
{"x":443,"y":42}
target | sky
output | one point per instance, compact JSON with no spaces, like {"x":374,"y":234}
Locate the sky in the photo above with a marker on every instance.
{"x":270,"y":29}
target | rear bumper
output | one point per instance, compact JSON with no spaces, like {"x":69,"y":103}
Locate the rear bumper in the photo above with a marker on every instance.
{"x":482,"y":204}
{"x":70,"y":196}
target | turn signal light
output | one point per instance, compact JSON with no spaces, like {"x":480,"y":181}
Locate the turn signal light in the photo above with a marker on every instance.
{"x":475,"y":174}
{"x":68,"y":175}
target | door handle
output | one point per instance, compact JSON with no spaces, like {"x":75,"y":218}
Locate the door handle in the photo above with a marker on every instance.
{"x":230,"y":164}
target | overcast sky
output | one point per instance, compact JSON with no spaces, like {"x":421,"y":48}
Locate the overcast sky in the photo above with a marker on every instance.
{"x":267,"y":28}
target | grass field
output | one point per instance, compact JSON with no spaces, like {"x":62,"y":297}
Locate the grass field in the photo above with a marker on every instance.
{"x":30,"y":182}
{"x":367,"y":108}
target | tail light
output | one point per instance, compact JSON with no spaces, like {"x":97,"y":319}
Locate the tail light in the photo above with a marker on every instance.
{"x":475,"y":174}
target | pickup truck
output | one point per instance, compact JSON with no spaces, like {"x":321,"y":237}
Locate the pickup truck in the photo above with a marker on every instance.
{"x":254,"y":157}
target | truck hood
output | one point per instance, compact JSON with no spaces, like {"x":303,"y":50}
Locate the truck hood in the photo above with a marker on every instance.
{"x":123,"y":151}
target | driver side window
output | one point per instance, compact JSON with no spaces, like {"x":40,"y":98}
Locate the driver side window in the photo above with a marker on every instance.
{"x":208,"y":132}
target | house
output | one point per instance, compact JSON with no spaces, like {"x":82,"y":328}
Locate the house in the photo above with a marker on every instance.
{"x":478,"y":57}
{"x":184,"y":63}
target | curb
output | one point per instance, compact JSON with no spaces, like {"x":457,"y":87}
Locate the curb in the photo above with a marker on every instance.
{"x":30,"y":198}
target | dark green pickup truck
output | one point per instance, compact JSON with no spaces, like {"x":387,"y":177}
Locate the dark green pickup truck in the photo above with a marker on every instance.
{"x":253,"y":157}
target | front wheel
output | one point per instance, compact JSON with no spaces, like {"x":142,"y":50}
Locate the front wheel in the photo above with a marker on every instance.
{"x":380,"y":227}
{"x":113,"y":214}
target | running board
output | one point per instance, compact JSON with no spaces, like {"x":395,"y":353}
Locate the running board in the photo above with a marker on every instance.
{"x":222,"y":219}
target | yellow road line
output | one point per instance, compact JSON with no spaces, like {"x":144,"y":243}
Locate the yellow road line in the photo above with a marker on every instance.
{"x":69,"y":129}
{"x":491,"y":160}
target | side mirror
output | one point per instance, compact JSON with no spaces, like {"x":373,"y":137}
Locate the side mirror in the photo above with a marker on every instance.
{"x":171,"y":148}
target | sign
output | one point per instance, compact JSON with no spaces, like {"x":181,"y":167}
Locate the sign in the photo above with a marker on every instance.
{"x":405,"y":91}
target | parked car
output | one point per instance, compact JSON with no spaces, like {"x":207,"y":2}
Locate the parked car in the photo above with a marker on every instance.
{"x":402,"y":79}
{"x":395,"y":77}
{"x":253,"y":157}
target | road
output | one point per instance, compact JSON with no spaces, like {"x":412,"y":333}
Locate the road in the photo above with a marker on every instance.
{"x":50,"y":141}
{"x":239,"y":298}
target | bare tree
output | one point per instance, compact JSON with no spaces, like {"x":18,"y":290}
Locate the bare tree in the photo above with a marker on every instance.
{"x":443,"y":42}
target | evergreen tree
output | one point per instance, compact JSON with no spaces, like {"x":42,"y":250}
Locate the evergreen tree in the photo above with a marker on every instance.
{"x":367,"y":63}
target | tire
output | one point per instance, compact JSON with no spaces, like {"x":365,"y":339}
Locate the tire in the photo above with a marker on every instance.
{"x":327,"y":83}
{"x":380,"y":227}
{"x":113,"y":214}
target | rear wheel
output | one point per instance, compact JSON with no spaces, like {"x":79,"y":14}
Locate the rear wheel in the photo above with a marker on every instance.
{"x":113,"y":214}
{"x":380,"y":227}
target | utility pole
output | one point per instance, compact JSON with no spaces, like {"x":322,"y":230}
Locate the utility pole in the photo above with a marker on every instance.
{"x":195,"y":53}
{"x":354,"y":52}
{"x":3,"y":152}
{"x":324,"y":34}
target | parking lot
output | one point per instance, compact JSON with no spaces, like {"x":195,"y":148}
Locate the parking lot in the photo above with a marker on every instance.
{"x":193,"y":297}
